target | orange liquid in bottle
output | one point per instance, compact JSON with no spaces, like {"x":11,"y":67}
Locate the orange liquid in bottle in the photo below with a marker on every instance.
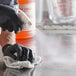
{"x":26,"y":33}
{"x":24,"y":37}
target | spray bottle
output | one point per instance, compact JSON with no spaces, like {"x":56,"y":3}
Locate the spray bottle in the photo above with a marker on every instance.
{"x":62,"y":11}
{"x":28,"y":7}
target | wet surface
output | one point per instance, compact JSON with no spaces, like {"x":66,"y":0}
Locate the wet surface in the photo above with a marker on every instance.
{"x":58,"y":54}
{"x":15,"y":72}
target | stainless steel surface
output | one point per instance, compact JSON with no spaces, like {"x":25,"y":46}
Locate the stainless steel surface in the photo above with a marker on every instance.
{"x":58,"y":52}
{"x":59,"y":55}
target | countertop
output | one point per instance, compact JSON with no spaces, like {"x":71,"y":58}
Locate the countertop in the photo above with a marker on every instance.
{"x":58,"y":53}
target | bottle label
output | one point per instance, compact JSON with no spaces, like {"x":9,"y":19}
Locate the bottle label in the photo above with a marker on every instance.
{"x":29,"y":10}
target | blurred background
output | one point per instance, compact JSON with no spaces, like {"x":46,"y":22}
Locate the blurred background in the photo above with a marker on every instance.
{"x":53,"y":37}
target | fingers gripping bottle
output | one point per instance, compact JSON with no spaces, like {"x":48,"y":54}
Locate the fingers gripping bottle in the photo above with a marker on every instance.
{"x":28,"y":7}
{"x":62,"y":11}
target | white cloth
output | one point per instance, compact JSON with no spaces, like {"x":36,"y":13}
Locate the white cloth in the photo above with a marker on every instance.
{"x":9,"y":62}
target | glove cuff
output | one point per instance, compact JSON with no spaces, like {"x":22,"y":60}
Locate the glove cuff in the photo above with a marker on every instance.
{"x":5,"y":47}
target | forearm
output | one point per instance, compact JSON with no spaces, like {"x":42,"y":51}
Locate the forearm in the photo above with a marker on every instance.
{"x":7,"y":37}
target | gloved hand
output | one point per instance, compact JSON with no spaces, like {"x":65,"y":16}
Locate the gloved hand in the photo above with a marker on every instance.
{"x":9,"y":19}
{"x":18,"y":56}
{"x":18,"y":52}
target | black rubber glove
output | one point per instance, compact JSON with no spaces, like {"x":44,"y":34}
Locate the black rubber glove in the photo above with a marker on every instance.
{"x":9,"y":19}
{"x":22,"y":53}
